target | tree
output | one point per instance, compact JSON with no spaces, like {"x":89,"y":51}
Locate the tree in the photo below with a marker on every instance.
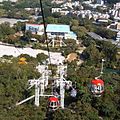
{"x":7,"y":5}
{"x":56,"y":15}
{"x":92,"y":53}
{"x":5,"y":30}
{"x":109,"y":50}
{"x":112,"y":1}
{"x":27,"y":36}
{"x":51,"y":20}
{"x":64,"y":20}
{"x":19,"y":26}
{"x":71,"y":46}
{"x":41,"y":57}
{"x":11,"y":39}
{"x":74,"y":22}
{"x":105,"y":33}
{"x":2,"y":12}
{"x":79,"y":30}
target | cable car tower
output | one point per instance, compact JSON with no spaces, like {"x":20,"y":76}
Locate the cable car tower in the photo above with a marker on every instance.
{"x":42,"y":83}
{"x":60,"y":41}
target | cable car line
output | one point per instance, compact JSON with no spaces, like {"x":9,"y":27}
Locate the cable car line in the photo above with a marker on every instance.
{"x":97,"y":84}
{"x":45,"y":33}
{"x":46,"y":38}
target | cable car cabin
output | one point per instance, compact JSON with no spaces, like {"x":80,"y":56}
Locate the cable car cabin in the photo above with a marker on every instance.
{"x":22,"y":61}
{"x":97,"y":87}
{"x":53,"y":103}
{"x":73,"y":93}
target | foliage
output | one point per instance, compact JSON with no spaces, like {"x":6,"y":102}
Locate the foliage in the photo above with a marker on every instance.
{"x":79,"y":30}
{"x":105,"y":33}
{"x":5,"y":30}
{"x":70,"y":47}
{"x":112,"y":1}
{"x":19,"y":26}
{"x":14,"y":77}
{"x":2,"y":12}
{"x":51,"y":20}
{"x":92,"y":53}
{"x":7,"y":5}
{"x":64,"y":20}
{"x":84,"y":107}
{"x":41,"y":57}
{"x":56,"y":15}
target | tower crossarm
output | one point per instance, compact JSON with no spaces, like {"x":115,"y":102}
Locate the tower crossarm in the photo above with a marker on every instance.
{"x":25,"y":100}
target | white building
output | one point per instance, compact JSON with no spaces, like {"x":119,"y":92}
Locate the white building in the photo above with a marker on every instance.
{"x":91,"y":14}
{"x":117,"y":6}
{"x":9,"y":0}
{"x":58,"y":1}
{"x":101,"y":2}
{"x":56,"y":10}
{"x":118,"y":36}
{"x":35,"y":28}
{"x":98,"y":3}
{"x":87,"y":2}
{"x":115,"y":13}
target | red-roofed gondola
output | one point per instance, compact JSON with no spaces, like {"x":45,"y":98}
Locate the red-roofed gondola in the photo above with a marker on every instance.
{"x":53,"y":103}
{"x":97,"y":87}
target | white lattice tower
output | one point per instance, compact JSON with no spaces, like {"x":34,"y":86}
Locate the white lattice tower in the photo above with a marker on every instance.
{"x":40,"y":86}
{"x":36,"y":83}
{"x":62,"y":68}
{"x":62,"y":83}
{"x":62,"y":90}
{"x":43,"y":69}
{"x":53,"y":42}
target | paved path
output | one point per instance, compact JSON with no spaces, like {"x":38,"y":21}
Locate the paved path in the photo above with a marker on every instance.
{"x":12,"y":21}
{"x":56,"y":57}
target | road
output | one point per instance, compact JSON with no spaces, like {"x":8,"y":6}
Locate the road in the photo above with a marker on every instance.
{"x":11,"y":21}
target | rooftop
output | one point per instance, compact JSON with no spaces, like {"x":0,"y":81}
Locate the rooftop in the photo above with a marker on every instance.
{"x":71,"y":57}
{"x":58,"y":28}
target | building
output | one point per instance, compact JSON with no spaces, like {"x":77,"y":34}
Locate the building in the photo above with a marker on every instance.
{"x":56,"y":10}
{"x":71,"y":57}
{"x":58,"y":1}
{"x":101,"y":2}
{"x":118,"y":36}
{"x":35,"y":28}
{"x":115,"y":12}
{"x":61,"y":31}
{"x":9,"y":0}
{"x":116,"y":6}
{"x":114,"y":26}
{"x":53,"y":31}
